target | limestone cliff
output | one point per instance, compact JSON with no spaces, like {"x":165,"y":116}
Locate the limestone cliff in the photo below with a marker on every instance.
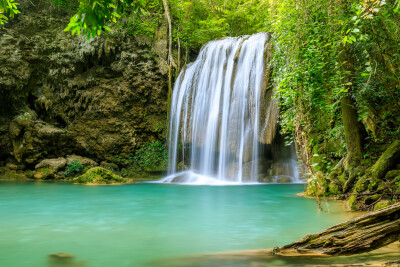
{"x":63,"y":94}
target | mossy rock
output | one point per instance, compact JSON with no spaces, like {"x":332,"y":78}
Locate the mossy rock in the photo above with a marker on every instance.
{"x":109,"y":165}
{"x":99,"y":175}
{"x":382,"y":204}
{"x":390,"y":175}
{"x":343,"y":177}
{"x":335,"y":188}
{"x":375,"y":184}
{"x":362,"y":184}
{"x":43,"y":174}
{"x":352,"y":202}
{"x":388,"y":160}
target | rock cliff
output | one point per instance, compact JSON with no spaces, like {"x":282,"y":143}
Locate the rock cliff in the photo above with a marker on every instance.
{"x":63,"y":94}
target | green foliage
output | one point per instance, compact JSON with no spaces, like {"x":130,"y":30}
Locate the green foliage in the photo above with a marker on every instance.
{"x":152,"y":156}
{"x":93,"y":15}
{"x":325,"y":50}
{"x":144,"y":21}
{"x":199,"y":21}
{"x":74,"y":168}
{"x":8,"y":9}
{"x":72,"y":4}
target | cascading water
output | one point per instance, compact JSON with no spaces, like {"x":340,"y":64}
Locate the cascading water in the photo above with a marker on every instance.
{"x":223,"y":120}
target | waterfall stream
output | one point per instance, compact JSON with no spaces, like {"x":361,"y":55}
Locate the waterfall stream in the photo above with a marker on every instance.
{"x":223,"y":122}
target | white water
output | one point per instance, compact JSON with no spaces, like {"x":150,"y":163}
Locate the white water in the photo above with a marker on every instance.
{"x":215,"y":120}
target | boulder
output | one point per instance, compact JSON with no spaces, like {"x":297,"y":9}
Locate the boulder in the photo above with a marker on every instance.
{"x":15,"y":166}
{"x":82,"y":160}
{"x":54,"y":164}
{"x":99,"y":175}
{"x":109,"y":165}
{"x":387,"y":161}
{"x":284,"y":179}
{"x":34,"y":139}
{"x":43,"y":174}
{"x":266,"y":179}
{"x":64,"y":259}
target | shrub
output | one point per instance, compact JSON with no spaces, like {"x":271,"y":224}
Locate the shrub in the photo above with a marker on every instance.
{"x":74,"y":168}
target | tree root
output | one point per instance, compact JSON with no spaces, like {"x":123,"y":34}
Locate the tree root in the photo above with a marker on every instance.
{"x":362,"y":234}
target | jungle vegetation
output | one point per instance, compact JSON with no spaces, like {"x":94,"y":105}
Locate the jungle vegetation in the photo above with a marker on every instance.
{"x":336,"y":63}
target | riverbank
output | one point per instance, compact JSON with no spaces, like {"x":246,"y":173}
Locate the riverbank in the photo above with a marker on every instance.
{"x":387,"y":256}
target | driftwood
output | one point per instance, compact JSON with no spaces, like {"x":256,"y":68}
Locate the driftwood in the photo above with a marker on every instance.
{"x":362,"y":234}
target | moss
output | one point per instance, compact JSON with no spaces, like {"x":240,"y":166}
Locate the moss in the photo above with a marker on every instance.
{"x":352,"y":202}
{"x":343,"y":177}
{"x":390,"y":175}
{"x":388,"y":160}
{"x":44,"y":174}
{"x":99,"y":175}
{"x":375,"y":184}
{"x":335,"y":188}
{"x":362,"y":184}
{"x":382,"y":204}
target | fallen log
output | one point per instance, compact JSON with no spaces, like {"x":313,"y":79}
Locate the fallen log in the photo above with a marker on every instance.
{"x":362,"y":234}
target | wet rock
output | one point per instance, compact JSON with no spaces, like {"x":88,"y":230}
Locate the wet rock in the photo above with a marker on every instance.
{"x":181,"y":166}
{"x":64,"y":260}
{"x":284,"y":179}
{"x":267,"y":179}
{"x":54,"y":164}
{"x":99,"y":175}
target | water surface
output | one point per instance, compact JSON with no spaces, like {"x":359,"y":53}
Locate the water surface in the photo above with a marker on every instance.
{"x":141,"y":224}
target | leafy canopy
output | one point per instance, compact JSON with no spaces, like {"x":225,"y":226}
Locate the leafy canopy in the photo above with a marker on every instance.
{"x":93,"y":15}
{"x":8,"y":9}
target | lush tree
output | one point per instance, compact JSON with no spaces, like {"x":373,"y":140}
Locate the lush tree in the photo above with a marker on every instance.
{"x":8,"y":9}
{"x":336,"y":63}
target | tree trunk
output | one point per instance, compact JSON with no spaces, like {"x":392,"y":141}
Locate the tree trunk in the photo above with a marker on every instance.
{"x":353,"y":132}
{"x":168,"y":17}
{"x":169,"y":57}
{"x":362,"y":234}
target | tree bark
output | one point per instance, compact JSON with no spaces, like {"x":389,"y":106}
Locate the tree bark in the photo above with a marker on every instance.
{"x":362,"y":234}
{"x":168,"y":17}
{"x":353,"y":132}
{"x":169,"y":57}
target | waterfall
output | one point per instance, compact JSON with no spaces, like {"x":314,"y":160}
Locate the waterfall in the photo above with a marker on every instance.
{"x":223,"y":121}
